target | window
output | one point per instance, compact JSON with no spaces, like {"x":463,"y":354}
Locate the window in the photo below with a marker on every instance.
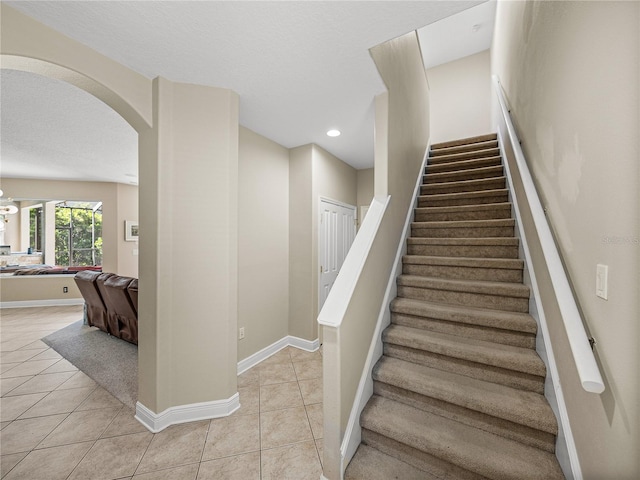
{"x":78,"y":233}
{"x":36,"y":228}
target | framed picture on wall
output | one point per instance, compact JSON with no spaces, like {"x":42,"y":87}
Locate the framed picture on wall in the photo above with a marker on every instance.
{"x":131,"y":230}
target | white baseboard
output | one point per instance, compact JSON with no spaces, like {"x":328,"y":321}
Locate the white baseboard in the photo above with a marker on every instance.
{"x":56,"y":302}
{"x":266,"y":352}
{"x":156,"y":422}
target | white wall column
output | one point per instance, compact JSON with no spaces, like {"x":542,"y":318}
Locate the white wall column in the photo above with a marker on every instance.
{"x":188,"y":203}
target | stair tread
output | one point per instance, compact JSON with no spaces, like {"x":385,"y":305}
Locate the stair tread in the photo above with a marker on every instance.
{"x":470,"y":448}
{"x":481,"y":145}
{"x":472,"y":286}
{"x":462,"y":164}
{"x":372,"y":464}
{"x":474,"y":262}
{"x":493,"y":222}
{"x":465,"y":141}
{"x":500,"y":319}
{"x":519,"y":359}
{"x":472,"y":194}
{"x":462,"y":156}
{"x":507,"y":403}
{"x":464,"y":208}
{"x":462,"y":173}
{"x":475,"y":181}
{"x":483,"y":241}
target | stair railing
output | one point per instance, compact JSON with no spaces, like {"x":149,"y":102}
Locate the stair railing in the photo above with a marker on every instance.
{"x":580,"y":343}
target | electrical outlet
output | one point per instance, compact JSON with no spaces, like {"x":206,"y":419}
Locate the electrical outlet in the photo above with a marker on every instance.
{"x":65,"y":289}
{"x":241,"y":333}
{"x":602,"y":281}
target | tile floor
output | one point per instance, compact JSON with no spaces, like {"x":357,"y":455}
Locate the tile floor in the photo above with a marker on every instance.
{"x":57,"y":423}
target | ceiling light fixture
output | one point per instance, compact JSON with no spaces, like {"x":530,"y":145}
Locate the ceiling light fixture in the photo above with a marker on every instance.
{"x":333,"y":133}
{"x":8,"y":209}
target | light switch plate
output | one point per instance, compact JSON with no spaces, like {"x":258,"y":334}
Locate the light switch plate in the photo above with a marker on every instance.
{"x":602,"y":281}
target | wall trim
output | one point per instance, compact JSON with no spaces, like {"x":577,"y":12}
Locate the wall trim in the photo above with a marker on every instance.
{"x":275,"y":347}
{"x":353,"y":432}
{"x":56,"y":302}
{"x":156,"y":422}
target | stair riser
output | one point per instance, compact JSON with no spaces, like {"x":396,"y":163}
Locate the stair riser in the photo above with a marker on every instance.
{"x":509,"y":378}
{"x":494,"y":214}
{"x":432,"y":201}
{"x":457,"y":166}
{"x":464,"y":273}
{"x":460,"y":187}
{"x":448,"y":158}
{"x":465,"y":141}
{"x":477,"y":332}
{"x":419,"y":459}
{"x":464,"y":148}
{"x":513,"y":431}
{"x":462,"y":232}
{"x":462,"y":175}
{"x":463,"y":251}
{"x":496,"y":302}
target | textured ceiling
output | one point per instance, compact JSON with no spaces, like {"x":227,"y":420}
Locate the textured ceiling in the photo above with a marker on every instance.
{"x":300,"y":68}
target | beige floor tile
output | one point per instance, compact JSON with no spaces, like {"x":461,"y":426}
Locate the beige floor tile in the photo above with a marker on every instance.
{"x":78,"y":380}
{"x":51,"y":463}
{"x":283,"y":427}
{"x":18,"y":356}
{"x":5,"y":367}
{"x":24,"y":435}
{"x":314,"y":412}
{"x":250,"y":377}
{"x":29,"y":368}
{"x":60,"y":401}
{"x":12,"y":407}
{"x":124,"y":424}
{"x":277,"y":373}
{"x":293,"y":462}
{"x":111,"y":458}
{"x":100,"y":398}
{"x":42,"y":383}
{"x":186,"y":472}
{"x":279,"y":357}
{"x":7,"y":462}
{"x":8,"y":384}
{"x":279,"y":396}
{"x":299,"y":355}
{"x":37,"y":344}
{"x":232,"y":436}
{"x":320,"y":448}
{"x":308,"y":370}
{"x":49,"y":354}
{"x":249,"y":400}
{"x":239,"y":467}
{"x":311,"y":390}
{"x":80,"y":427}
{"x":175,"y":446}
{"x":61,"y":366}
{"x":4,"y":424}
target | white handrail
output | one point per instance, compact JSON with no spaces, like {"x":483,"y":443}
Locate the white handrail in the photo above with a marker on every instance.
{"x":585,"y":361}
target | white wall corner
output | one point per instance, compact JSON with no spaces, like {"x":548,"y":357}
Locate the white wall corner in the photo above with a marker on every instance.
{"x":156,"y":422}
{"x":266,"y":352}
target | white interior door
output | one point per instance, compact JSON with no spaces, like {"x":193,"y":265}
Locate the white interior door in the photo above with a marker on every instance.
{"x":336,"y":233}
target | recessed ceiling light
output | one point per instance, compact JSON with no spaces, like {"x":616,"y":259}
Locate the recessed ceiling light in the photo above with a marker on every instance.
{"x":333,"y":133}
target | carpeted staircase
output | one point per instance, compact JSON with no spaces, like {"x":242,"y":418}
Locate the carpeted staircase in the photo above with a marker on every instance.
{"x":458,"y":393}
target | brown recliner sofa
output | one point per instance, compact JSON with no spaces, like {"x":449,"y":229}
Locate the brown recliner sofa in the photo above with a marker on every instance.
{"x":109,"y":303}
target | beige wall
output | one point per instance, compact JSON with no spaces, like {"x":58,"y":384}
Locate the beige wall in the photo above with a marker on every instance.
{"x":119,"y":203}
{"x":263,"y":242}
{"x":37,"y":288}
{"x":570,"y":71}
{"x":313,"y":173}
{"x":460,"y":95}
{"x":365,"y":189}
{"x":189,"y":189}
